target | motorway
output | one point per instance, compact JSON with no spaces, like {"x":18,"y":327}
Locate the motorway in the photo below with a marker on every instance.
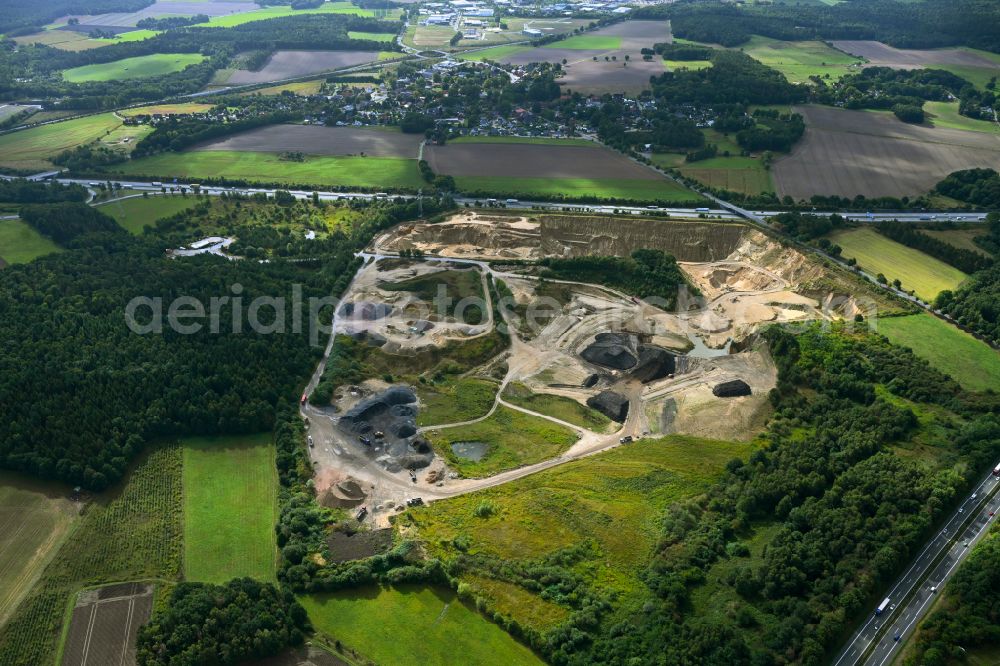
{"x":722,"y":211}
{"x":877,"y":641}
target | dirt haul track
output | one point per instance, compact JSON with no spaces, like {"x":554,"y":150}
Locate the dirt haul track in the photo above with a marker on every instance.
{"x":750,"y":280}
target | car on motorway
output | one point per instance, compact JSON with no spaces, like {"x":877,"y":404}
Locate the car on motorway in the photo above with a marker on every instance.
{"x":933,"y":589}
{"x":965,"y":545}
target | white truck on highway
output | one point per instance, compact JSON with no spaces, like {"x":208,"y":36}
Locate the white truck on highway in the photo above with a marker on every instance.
{"x":882,"y":606}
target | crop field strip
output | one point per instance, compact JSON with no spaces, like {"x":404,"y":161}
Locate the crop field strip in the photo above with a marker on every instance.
{"x":103,"y":627}
{"x":230,"y":508}
{"x":875,"y":253}
{"x":133,"y":533}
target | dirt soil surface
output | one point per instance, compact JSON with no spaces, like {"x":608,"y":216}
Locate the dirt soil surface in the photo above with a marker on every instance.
{"x":345,"y":547}
{"x":318,"y":140}
{"x":292,"y":64}
{"x":519,"y":160}
{"x":883,"y":55}
{"x":858,"y":152}
{"x":475,"y":235}
{"x":104,"y":625}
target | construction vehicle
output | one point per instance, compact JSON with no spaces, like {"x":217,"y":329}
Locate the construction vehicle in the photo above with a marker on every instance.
{"x":361,"y":514}
{"x":416,"y":501}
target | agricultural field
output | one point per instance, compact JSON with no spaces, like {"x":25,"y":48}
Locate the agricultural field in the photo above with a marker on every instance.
{"x":960,"y":238}
{"x":971,"y":362}
{"x":800,"y":60}
{"x":693,"y":65}
{"x":133,"y":532}
{"x":615,"y":498}
{"x":848,"y":153}
{"x":64,"y":40}
{"x":413,"y":624}
{"x":588,"y":42}
{"x":373,"y":36}
{"x":559,"y":407}
{"x":230,"y":508}
{"x":511,"y":438}
{"x":105,"y":622}
{"x":875,"y":253}
{"x":495,"y":53}
{"x":736,"y":174}
{"x":167,"y":109}
{"x":550,"y":169}
{"x":137,"y":213}
{"x":945,"y":114}
{"x":972,"y":64}
{"x":303,"y":88}
{"x":140,"y":67}
{"x":373,"y":172}
{"x":319,"y":140}
{"x":32,"y":148}
{"x":19,"y":243}
{"x":292,"y":64}
{"x":277,"y":11}
{"x":34,"y":520}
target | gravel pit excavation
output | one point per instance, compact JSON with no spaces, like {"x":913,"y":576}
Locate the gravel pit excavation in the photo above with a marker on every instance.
{"x":611,"y":404}
{"x":732,"y":389}
{"x":385,"y":424}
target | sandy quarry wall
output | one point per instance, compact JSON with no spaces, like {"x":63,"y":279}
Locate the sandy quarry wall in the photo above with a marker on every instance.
{"x":566,"y":235}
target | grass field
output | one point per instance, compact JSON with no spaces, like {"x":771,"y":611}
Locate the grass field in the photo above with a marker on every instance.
{"x":557,"y":406}
{"x":615,"y":498}
{"x":961,"y":238}
{"x":800,"y":60}
{"x":167,"y":109}
{"x":277,"y":11}
{"x":514,"y":438}
{"x":268,"y":167}
{"x":230,"y":508}
{"x":373,"y":36}
{"x":495,"y":53}
{"x":34,"y":519}
{"x":20,"y":243}
{"x":413,"y":625}
{"x":133,"y":532}
{"x":135,"y":214}
{"x":31,"y":148}
{"x":945,"y":114}
{"x":637,"y":190}
{"x":875,"y":253}
{"x":453,"y":402}
{"x":736,"y":174}
{"x":693,"y":65}
{"x":140,"y":67}
{"x":970,"y":362}
{"x":588,"y":43}
{"x":130,"y":36}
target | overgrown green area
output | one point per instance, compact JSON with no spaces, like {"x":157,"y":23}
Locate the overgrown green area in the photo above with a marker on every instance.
{"x":446,"y":401}
{"x":416,"y":624}
{"x":137,"y":213}
{"x":556,"y":406}
{"x":646,"y":274}
{"x":134,"y":532}
{"x":230,"y":508}
{"x":512,"y":439}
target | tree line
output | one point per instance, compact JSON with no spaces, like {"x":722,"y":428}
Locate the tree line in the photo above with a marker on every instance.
{"x":967,"y":261}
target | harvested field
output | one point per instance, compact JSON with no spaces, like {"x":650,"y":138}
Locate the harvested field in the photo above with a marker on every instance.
{"x":883,"y":55}
{"x":34,"y":518}
{"x":317,"y":140}
{"x":291,"y":64}
{"x":64,"y":40}
{"x":586,"y":75}
{"x":160,"y":9}
{"x":502,"y":160}
{"x":858,"y":152}
{"x":104,"y":625}
{"x":167,"y":109}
